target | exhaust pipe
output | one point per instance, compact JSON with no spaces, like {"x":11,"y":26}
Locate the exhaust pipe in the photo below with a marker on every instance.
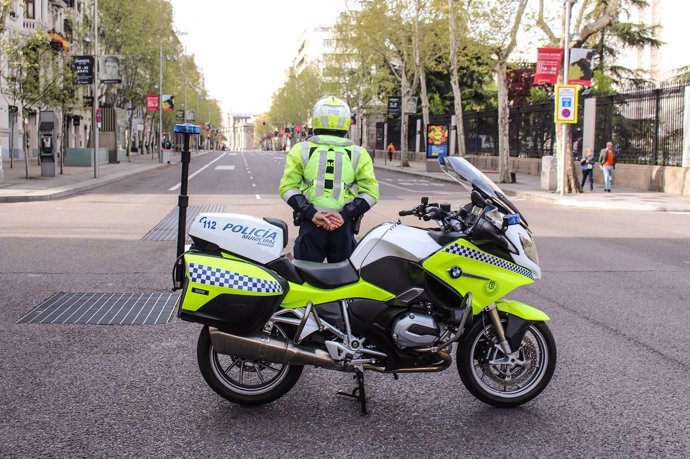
{"x":272,"y":349}
{"x":276,"y":349}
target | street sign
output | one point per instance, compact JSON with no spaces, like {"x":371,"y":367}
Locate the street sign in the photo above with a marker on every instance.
{"x":179,"y":115}
{"x":190,"y":115}
{"x":566,"y":104}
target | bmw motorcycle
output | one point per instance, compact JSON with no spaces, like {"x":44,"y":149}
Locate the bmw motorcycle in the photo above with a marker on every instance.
{"x":406,"y":297}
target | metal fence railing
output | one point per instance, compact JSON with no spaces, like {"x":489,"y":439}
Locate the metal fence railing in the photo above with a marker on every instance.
{"x":645,"y":126}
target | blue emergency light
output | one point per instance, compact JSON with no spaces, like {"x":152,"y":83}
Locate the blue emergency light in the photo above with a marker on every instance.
{"x":187,"y":128}
{"x":511,"y":219}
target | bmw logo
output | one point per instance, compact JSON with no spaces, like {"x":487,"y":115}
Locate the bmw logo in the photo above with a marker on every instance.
{"x":455,"y":272}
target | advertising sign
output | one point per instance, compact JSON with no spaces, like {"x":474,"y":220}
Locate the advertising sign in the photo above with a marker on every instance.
{"x":566,"y":104}
{"x":410,"y":105}
{"x":580,"y":70}
{"x":109,"y":71}
{"x":83,"y":69}
{"x":168,"y":103}
{"x":394,"y":106}
{"x":437,"y":140}
{"x":151,"y":102}
{"x":548,"y":65}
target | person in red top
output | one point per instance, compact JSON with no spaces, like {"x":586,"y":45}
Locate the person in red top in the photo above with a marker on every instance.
{"x":391,"y":150}
{"x":607,"y":162}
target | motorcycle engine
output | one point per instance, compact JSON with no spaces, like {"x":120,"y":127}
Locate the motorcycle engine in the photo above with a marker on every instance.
{"x":413,"y":329}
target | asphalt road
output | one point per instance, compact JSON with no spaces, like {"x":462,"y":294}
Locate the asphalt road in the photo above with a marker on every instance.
{"x":615,"y":284}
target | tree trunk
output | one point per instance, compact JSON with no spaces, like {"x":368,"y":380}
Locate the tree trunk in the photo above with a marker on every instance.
{"x":405,"y":89}
{"x":425,"y":101}
{"x":454,"y":81}
{"x":503,"y":122}
{"x":25,"y":145}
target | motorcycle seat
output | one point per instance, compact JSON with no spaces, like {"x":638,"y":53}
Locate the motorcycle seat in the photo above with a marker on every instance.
{"x":327,"y":275}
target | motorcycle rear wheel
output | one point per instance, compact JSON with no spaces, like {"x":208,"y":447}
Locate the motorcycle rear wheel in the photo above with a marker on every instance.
{"x":500,"y":384}
{"x":245,"y":381}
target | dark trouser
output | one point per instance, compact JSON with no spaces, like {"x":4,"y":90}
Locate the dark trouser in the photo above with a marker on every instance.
{"x":315,"y":244}
{"x":585,"y":174}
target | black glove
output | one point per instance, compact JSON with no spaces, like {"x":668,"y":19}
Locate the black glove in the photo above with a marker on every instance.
{"x":300,"y":204}
{"x":354,"y":209}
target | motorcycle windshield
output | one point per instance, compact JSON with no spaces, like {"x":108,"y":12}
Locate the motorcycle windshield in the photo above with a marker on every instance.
{"x":472,"y":178}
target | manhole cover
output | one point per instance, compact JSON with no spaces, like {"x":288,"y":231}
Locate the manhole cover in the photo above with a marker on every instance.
{"x":166,"y":230}
{"x":104,"y":309}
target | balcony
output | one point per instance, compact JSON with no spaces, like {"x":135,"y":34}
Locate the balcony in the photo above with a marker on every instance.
{"x":58,"y":42}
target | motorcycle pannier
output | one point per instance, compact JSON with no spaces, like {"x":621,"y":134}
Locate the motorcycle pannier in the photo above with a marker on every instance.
{"x":230,"y":294}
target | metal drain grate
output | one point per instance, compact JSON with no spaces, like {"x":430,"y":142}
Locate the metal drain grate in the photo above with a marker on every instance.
{"x":104,"y":309}
{"x":166,"y":230}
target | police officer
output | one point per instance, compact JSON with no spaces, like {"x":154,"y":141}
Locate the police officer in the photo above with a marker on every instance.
{"x":329,"y":182}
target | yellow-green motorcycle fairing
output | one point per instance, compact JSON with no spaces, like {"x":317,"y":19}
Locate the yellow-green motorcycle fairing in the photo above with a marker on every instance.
{"x":522,"y":310}
{"x":488,"y":277}
{"x":300,"y":294}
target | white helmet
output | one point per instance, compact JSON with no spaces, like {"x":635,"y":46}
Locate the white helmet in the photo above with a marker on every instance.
{"x":331,"y":113}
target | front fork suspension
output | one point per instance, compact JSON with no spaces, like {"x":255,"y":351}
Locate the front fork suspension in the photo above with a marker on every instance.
{"x":498,"y":326}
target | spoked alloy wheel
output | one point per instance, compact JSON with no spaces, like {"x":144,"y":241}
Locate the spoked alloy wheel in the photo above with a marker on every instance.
{"x":245,"y":381}
{"x":506,"y":381}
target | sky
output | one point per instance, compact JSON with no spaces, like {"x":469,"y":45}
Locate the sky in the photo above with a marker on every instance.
{"x":244,"y":47}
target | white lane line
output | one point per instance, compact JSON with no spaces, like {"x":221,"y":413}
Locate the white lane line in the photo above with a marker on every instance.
{"x":197,"y":172}
{"x":224,"y":168}
{"x":254,"y":184}
{"x":258,"y":196}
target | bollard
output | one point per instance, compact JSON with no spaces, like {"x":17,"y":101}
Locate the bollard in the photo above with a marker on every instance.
{"x":512,"y":177}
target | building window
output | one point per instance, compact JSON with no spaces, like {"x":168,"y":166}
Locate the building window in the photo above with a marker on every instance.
{"x":329,"y":43}
{"x":29,"y":9}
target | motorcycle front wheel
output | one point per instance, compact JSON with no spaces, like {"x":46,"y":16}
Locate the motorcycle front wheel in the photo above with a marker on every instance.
{"x":506,"y":381}
{"x":245,"y":381}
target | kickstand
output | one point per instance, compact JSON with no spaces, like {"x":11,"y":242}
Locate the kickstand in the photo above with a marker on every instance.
{"x":358,"y":392}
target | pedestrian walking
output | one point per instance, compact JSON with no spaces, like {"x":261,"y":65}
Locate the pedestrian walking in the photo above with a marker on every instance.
{"x":607,"y":162}
{"x":329,"y":182}
{"x":391,"y":150}
{"x":587,"y":163}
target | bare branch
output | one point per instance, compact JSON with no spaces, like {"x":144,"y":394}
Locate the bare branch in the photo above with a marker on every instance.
{"x":543,"y":25}
{"x":581,"y":14}
{"x":516,"y":27}
{"x":609,"y":15}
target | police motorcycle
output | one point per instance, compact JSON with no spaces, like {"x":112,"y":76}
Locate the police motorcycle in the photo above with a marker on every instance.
{"x":405,"y":297}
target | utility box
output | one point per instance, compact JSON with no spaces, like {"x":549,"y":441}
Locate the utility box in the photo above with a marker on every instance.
{"x":549,"y":167}
{"x":47,"y":145}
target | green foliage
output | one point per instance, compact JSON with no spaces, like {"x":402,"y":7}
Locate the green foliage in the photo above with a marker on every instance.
{"x":293,"y":102}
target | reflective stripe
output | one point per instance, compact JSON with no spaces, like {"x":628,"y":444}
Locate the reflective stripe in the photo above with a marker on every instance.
{"x":324,"y":121}
{"x":289,"y":193}
{"x":368,"y":198}
{"x":355,"y":157}
{"x":305,"y":153}
{"x":321,"y":174}
{"x":341,"y":122}
{"x":338,"y":175}
{"x":340,"y":142}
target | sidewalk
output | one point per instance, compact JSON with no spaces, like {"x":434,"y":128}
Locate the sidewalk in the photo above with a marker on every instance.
{"x":529,"y":187}
{"x":15,"y":187}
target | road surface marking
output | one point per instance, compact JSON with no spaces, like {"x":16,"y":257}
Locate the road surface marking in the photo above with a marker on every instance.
{"x":197,"y":172}
{"x":225,"y":168}
{"x":258,"y":196}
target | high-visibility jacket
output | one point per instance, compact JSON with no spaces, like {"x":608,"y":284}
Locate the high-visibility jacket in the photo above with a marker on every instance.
{"x":330,"y":172}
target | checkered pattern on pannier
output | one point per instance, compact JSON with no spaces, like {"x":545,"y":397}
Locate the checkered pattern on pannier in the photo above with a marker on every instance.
{"x":221,"y":278}
{"x":463,"y":251}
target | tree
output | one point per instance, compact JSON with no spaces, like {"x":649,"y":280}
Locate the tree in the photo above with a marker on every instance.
{"x":38,"y":76}
{"x":455,"y":37}
{"x":498,"y":23}
{"x":293,"y":102}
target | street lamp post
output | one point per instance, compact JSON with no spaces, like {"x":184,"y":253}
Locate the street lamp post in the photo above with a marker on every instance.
{"x":566,"y":67}
{"x":160,"y":105}
{"x":95,"y":89}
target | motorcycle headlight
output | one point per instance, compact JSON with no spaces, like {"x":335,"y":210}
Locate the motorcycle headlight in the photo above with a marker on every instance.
{"x":530,"y":248}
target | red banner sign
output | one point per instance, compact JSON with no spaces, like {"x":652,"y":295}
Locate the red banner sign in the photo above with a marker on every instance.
{"x":548,"y":65}
{"x":152,"y":101}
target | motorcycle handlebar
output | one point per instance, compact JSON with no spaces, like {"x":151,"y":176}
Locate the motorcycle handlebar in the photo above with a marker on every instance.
{"x":404,"y":213}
